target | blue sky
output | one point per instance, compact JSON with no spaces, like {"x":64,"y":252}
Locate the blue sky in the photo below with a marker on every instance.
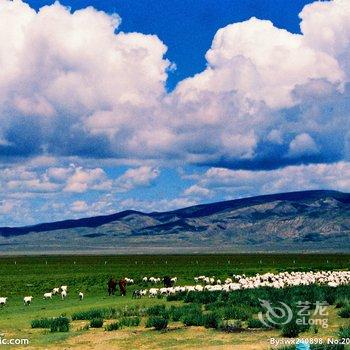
{"x":156,"y":105}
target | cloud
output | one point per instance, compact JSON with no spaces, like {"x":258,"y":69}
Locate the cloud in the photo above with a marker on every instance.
{"x":302,"y":144}
{"x":73,"y":85}
{"x":136,"y":177}
{"x":68,"y":77}
{"x":241,"y":183}
{"x":79,"y":206}
{"x":196,"y":190}
{"x":81,"y":180}
{"x":159,"y":205}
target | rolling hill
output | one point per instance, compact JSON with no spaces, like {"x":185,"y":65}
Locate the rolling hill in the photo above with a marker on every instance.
{"x":296,"y":221}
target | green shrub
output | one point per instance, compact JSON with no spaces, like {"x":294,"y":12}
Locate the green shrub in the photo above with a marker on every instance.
{"x":96,"y":323}
{"x":292,"y":329}
{"x":94,"y":313}
{"x":60,"y":324}
{"x":231,"y":326}
{"x":158,"y":322}
{"x":342,"y":302}
{"x":236,"y":313}
{"x":211,"y":320}
{"x":133,"y":311}
{"x":255,"y":323}
{"x":133,"y":321}
{"x":113,"y":326}
{"x":345,"y":312}
{"x":327,"y":347}
{"x":42,"y":323}
{"x":192,"y":319}
{"x":344,"y":332}
{"x":158,"y":310}
{"x":176,"y":313}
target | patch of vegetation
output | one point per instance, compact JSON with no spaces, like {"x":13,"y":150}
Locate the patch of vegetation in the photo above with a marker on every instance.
{"x":113,"y":326}
{"x":192,"y":318}
{"x":158,"y":322}
{"x":255,"y":323}
{"x":60,"y":324}
{"x":133,"y":321}
{"x":231,"y":326}
{"x":344,"y":312}
{"x":212,"y":320}
{"x":344,"y":332}
{"x":94,"y":313}
{"x":157,"y":310}
{"x":96,"y":323}
{"x":41,"y":323}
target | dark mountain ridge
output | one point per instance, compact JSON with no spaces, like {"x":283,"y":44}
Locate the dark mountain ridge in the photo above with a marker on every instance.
{"x":293,"y":219}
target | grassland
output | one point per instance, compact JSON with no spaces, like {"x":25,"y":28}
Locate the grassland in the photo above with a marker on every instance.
{"x":27,"y":275}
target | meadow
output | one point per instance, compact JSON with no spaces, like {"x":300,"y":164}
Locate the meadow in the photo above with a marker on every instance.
{"x":193,"y":321}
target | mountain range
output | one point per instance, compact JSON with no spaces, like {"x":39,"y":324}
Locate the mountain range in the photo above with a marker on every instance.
{"x":295,"y":221}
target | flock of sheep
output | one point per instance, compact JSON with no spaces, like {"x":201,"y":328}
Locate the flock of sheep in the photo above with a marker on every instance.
{"x":237,"y":282}
{"x":27,"y":300}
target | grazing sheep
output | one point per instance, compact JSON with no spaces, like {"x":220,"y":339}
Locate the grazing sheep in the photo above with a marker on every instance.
{"x":48,"y":295}
{"x":143,"y":292}
{"x":136,"y":294}
{"x":3,"y":301}
{"x":145,"y":279}
{"x":64,"y":288}
{"x":63,"y":294}
{"x":81,"y":296}
{"x":152,"y":293}
{"x":27,"y":300}
{"x":55,"y":291}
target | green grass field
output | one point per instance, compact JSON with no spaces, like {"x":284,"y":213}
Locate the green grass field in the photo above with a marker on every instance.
{"x":34,"y":276}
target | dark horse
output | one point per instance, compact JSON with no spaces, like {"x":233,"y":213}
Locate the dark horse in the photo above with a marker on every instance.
{"x":112,"y":285}
{"x":122,"y":286}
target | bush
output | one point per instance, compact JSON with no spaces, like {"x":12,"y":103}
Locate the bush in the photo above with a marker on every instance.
{"x":176,"y":313}
{"x":344,"y":332}
{"x":113,"y":326}
{"x":231,"y":326}
{"x":157,"y":310}
{"x":132,"y":311}
{"x":96,"y":323}
{"x":255,"y":323}
{"x":236,"y":313}
{"x":292,"y":329}
{"x":211,"y":320}
{"x":192,"y":319}
{"x":327,"y":347}
{"x":345,"y":312}
{"x":94,"y":313}
{"x":158,"y":322}
{"x":42,"y":323}
{"x":342,"y":302}
{"x":60,"y":324}
{"x":130,"y":321}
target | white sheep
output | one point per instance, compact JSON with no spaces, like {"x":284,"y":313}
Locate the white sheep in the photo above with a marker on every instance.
{"x":3,"y":301}
{"x":152,"y":293}
{"x":55,"y":291}
{"x":27,"y":300}
{"x":81,"y":295}
{"x":48,"y":295}
{"x":64,"y":288}
{"x":63,"y":294}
